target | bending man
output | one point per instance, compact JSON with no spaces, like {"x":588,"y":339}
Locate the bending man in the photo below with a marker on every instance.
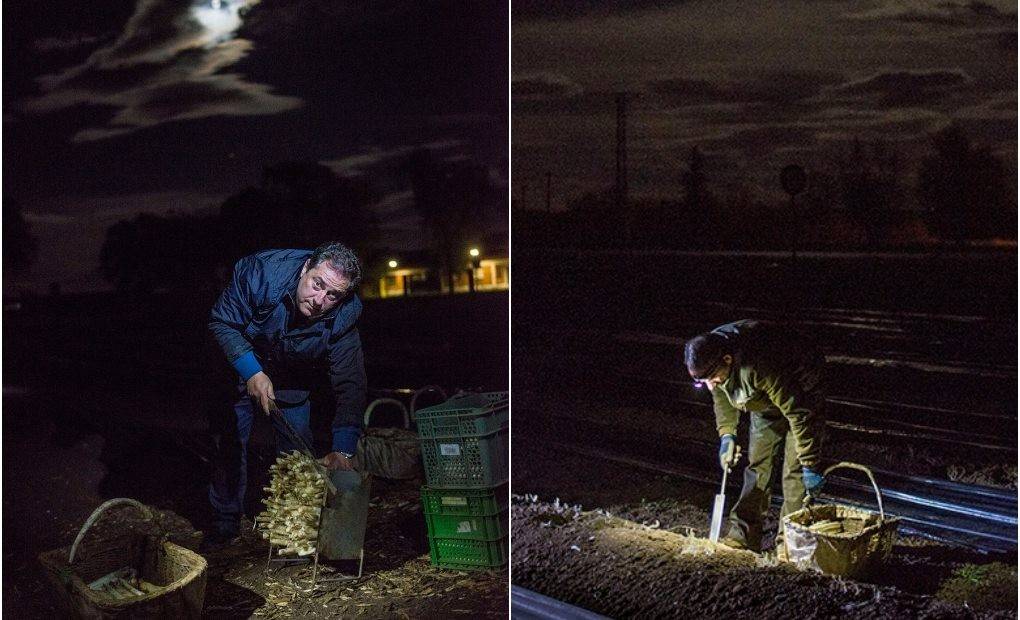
{"x":286,"y":320}
{"x":776,"y":375}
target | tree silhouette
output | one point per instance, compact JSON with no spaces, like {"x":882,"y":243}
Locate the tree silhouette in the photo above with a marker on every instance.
{"x":152,"y":251}
{"x":692,"y":181}
{"x":871,"y":191}
{"x":452,"y":199}
{"x":20,"y":247}
{"x":965,"y":190}
{"x":298,"y":204}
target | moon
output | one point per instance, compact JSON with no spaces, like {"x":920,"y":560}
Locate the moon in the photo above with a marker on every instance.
{"x":219,"y":18}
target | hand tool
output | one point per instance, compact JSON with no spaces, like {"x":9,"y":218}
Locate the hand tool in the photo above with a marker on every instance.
{"x":730,"y":458}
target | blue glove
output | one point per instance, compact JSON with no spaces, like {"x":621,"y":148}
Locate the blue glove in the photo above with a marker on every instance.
{"x":727,"y":450}
{"x":813,"y":481}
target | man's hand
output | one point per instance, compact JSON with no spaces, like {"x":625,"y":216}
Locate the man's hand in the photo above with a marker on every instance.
{"x":260,"y":389}
{"x":729,"y":451}
{"x":335,"y":460}
{"x":813,"y":482}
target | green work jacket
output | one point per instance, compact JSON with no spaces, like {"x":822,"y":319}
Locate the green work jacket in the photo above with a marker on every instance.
{"x":773,"y":368}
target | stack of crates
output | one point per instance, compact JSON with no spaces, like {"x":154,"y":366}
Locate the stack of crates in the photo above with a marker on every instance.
{"x":465,"y":446}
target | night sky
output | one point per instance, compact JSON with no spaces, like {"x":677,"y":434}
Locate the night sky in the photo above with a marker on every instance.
{"x":755,"y":85}
{"x":112,"y":109}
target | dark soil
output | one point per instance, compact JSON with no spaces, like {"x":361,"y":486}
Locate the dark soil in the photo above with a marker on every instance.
{"x":399,"y":580}
{"x":621,"y":568}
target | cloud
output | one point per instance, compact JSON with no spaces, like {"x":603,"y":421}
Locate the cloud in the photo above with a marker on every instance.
{"x":773,"y":87}
{"x":399,"y":203}
{"x":47,"y":218}
{"x":163,"y":67}
{"x":905,"y":88}
{"x":568,"y":9}
{"x":61,"y":44}
{"x":358,"y":164}
{"x":938,"y":13}
{"x":543,"y":86}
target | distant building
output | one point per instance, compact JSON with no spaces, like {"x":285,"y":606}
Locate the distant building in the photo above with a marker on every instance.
{"x":415,"y":273}
{"x":492,"y":274}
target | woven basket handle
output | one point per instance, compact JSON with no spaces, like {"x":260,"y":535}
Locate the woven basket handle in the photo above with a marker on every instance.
{"x":387,"y":401}
{"x":99,"y":511}
{"x":878,"y":494}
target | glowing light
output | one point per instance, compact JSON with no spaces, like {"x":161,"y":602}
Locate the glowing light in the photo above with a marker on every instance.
{"x":219,"y":18}
{"x":474,"y":252}
{"x":393,"y":264}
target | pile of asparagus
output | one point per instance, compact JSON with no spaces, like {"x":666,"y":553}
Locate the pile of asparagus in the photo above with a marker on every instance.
{"x":123,"y":584}
{"x":293,"y":503}
{"x":838,"y":526}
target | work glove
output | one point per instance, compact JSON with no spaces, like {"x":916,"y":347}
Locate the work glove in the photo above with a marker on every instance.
{"x":813,"y":482}
{"x":728,"y":451}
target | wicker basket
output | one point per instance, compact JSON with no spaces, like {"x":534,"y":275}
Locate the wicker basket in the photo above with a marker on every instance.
{"x":858,"y":541}
{"x":179,"y":573}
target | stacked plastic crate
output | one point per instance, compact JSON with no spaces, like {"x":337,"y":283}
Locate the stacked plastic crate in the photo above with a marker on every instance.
{"x":465,"y":445}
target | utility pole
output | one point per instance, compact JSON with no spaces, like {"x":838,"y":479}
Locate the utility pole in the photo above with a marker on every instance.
{"x":548,"y":192}
{"x":621,"y":151}
{"x":793,"y":179}
{"x":620,"y":188}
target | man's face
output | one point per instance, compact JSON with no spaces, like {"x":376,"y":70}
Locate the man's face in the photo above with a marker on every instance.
{"x":320,"y":289}
{"x":720,"y":374}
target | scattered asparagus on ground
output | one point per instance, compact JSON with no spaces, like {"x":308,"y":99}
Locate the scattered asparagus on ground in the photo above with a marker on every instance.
{"x":293,"y":503}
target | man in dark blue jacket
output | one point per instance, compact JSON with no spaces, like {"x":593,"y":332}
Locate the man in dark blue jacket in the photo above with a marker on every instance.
{"x":285,"y":316}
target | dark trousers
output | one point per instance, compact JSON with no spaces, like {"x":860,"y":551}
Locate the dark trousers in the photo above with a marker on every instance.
{"x":229,"y":477}
{"x":770,"y":437}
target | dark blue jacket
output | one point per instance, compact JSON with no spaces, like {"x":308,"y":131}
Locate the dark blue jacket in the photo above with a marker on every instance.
{"x":254,"y":323}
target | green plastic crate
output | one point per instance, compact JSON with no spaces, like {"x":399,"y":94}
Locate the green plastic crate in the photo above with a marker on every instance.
{"x":467,"y":400}
{"x":476,"y":461}
{"x":463,"y":527}
{"x":464,"y":502}
{"x":466,"y":514}
{"x":469,"y":414}
{"x":468,"y":554}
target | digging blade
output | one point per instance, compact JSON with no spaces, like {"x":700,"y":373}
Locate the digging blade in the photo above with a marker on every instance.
{"x":717,"y":515}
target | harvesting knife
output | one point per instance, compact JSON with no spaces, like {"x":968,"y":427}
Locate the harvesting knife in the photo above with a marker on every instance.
{"x":731,"y":457}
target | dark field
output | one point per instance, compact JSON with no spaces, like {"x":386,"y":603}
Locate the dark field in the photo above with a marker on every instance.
{"x":921,"y":353}
{"x":110,"y":395}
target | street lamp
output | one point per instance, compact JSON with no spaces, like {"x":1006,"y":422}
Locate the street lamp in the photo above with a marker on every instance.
{"x":476,"y":262}
{"x":393,"y":264}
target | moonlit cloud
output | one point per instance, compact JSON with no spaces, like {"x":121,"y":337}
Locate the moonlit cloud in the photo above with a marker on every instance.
{"x":359,"y":163}
{"x":164,"y":67}
{"x":60,"y":44}
{"x":901,"y":88}
{"x":941,"y":13}
{"x":543,"y":86}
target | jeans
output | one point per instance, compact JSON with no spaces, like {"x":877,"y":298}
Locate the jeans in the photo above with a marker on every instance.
{"x":230,"y":465}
